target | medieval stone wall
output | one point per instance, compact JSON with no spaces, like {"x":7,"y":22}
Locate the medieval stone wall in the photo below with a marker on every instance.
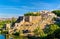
{"x":32,"y":22}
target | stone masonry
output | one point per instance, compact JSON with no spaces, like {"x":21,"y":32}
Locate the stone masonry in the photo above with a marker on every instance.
{"x":30,"y":23}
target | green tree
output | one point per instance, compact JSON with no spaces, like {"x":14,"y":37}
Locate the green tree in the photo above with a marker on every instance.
{"x":32,"y":14}
{"x":57,"y":12}
{"x":51,"y":28}
{"x":2,"y":23}
{"x":39,"y":32}
{"x":54,"y":35}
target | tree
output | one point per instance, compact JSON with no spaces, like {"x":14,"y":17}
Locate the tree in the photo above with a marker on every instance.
{"x":32,"y":14}
{"x":51,"y":28}
{"x":39,"y":32}
{"x":57,"y":12}
{"x":54,"y":35}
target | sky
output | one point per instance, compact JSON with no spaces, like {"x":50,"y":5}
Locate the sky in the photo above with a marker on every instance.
{"x":15,"y":8}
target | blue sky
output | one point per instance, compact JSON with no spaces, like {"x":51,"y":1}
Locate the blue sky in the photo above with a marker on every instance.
{"x":15,"y":8}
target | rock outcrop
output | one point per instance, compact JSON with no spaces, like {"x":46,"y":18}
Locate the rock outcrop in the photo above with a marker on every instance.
{"x":30,"y":23}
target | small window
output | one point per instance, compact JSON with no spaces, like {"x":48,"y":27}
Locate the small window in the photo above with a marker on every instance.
{"x":27,"y":19}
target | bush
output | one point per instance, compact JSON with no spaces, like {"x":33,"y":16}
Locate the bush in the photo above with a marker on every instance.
{"x":57,"y":12}
{"x":51,"y":28}
{"x":32,"y":14}
{"x":55,"y":35}
{"x":5,"y":32}
{"x":16,"y":33}
{"x":39,"y":32}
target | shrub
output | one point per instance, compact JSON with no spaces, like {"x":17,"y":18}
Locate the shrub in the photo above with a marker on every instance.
{"x":57,"y":12}
{"x":54,"y":35}
{"x":51,"y":28}
{"x":16,"y":33}
{"x":32,"y":14}
{"x":5,"y":32}
{"x":39,"y":32}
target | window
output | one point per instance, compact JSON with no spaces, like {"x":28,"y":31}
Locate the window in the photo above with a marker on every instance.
{"x":27,"y":18}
